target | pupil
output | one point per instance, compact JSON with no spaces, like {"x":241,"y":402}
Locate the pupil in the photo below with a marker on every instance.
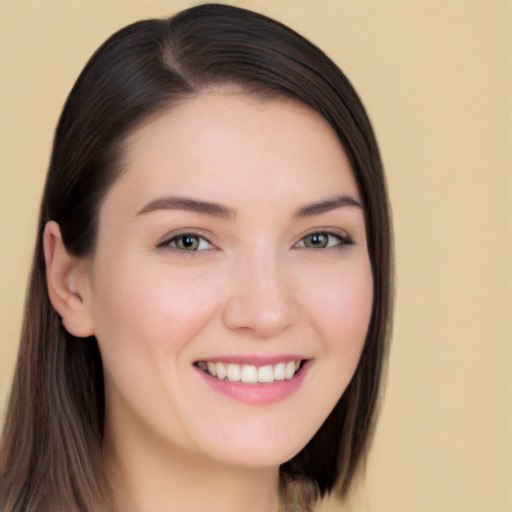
{"x":188,"y":242}
{"x":317,"y":240}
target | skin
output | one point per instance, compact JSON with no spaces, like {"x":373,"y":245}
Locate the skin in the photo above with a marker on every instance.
{"x":254,"y":288}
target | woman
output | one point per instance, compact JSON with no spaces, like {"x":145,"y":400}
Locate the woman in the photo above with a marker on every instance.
{"x":208,"y":311}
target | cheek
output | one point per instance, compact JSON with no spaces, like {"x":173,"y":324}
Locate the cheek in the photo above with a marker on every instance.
{"x":146,"y":317}
{"x":339,"y":305}
{"x":342,"y":310}
{"x":151,"y":308}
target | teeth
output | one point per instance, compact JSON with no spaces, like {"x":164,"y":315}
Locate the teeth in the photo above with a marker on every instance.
{"x":251,"y":374}
{"x":233,"y":372}
{"x":266,"y":373}
{"x":212,"y":370}
{"x":222,"y":371}
{"x":289,"y":371}
{"x":279,"y":371}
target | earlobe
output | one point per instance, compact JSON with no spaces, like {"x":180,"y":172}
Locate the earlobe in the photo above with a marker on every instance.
{"x":67,"y":283}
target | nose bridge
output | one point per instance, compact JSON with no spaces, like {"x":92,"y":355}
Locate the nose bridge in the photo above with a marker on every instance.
{"x":260,"y":295}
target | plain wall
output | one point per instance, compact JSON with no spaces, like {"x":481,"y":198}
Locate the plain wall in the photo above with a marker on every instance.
{"x":435,"y":77}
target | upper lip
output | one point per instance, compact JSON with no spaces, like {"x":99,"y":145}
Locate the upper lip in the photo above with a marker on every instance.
{"x":256,"y":360}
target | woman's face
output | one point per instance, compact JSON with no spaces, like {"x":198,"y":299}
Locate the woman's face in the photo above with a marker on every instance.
{"x":233,"y":244}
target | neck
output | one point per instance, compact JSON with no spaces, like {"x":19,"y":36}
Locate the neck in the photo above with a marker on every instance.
{"x":172,"y":480}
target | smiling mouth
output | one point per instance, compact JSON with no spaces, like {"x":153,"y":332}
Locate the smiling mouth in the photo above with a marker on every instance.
{"x":251,"y":374}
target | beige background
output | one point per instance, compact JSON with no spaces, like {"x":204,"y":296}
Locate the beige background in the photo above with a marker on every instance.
{"x":436,"y":79}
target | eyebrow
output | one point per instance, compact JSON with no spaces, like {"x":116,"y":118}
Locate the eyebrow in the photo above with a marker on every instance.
{"x":188,"y":204}
{"x":326,"y":206}
{"x":219,"y":210}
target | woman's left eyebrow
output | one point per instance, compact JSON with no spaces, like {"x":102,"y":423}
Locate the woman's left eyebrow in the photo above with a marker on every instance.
{"x":325,"y":206}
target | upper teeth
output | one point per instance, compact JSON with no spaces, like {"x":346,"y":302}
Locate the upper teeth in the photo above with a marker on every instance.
{"x":249,"y":373}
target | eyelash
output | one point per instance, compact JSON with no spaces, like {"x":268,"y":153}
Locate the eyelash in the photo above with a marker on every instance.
{"x":171,"y":243}
{"x":333,"y":241}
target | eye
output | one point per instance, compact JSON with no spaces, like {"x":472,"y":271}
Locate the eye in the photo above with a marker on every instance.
{"x":324,"y":240}
{"x":187,"y":242}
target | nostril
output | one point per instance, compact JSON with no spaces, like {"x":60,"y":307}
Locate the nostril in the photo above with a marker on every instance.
{"x":253,"y":314}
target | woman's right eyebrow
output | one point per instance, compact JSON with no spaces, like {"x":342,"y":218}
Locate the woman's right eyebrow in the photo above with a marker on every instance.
{"x":189,"y":204}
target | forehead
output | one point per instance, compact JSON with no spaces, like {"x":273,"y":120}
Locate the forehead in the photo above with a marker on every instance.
{"x":226,"y":145}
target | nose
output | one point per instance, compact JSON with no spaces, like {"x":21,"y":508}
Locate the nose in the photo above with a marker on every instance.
{"x":260,"y":297}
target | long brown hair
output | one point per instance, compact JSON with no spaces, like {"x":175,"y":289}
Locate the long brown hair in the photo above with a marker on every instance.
{"x":50,"y":456}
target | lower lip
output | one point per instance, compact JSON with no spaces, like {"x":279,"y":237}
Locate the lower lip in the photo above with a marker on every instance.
{"x":257,"y":394}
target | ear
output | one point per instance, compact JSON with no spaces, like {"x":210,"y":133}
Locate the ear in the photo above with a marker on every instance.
{"x":68,"y":283}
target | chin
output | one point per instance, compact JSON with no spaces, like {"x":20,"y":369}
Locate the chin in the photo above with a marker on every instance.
{"x":258,"y":450}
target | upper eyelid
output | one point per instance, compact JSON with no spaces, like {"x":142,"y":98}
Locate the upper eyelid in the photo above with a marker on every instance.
{"x":170,"y":244}
{"x":191,"y":232}
{"x":337,"y":232}
{"x":340,"y":236}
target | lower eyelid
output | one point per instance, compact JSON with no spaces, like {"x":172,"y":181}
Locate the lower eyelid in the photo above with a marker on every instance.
{"x":341,"y":239}
{"x":171,"y":242}
{"x":344,"y":239}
